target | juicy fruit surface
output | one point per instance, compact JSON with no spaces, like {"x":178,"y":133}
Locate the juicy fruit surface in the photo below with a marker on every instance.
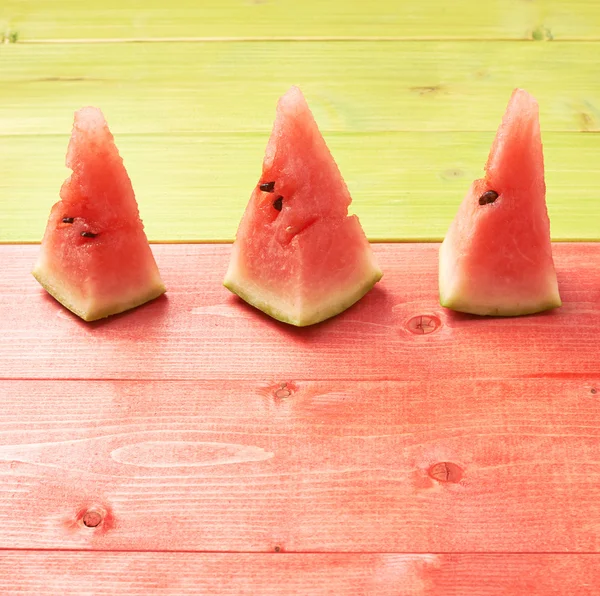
{"x":298,"y":256}
{"x":497,"y":256}
{"x":95,"y":258}
{"x":305,"y":289}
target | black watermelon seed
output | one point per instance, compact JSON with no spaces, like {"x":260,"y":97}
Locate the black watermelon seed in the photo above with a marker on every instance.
{"x":267,"y":187}
{"x":88,"y":234}
{"x":278,"y":203}
{"x":489,"y":196}
{"x":68,"y":219}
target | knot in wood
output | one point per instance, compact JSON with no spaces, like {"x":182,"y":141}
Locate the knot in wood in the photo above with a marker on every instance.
{"x":423,"y":324}
{"x":446,"y":471}
{"x":283,"y":391}
{"x":92,"y":519}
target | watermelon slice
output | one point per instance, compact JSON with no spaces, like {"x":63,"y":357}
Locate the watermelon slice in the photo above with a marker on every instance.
{"x":298,"y":256}
{"x":497,"y":257}
{"x":95,"y":258}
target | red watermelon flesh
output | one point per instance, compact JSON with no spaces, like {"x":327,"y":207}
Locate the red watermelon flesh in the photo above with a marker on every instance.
{"x":298,"y":256}
{"x":95,"y":258}
{"x":497,"y":256}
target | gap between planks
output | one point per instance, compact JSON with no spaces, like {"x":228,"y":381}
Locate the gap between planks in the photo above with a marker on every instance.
{"x":303,"y":553}
{"x":307,"y":38}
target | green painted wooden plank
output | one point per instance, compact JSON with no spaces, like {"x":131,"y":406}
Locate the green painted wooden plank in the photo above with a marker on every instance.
{"x":513,"y":19}
{"x":406,"y":186}
{"x":351,"y":86}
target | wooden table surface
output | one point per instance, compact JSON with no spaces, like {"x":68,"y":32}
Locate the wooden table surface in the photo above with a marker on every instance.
{"x":195,"y":446}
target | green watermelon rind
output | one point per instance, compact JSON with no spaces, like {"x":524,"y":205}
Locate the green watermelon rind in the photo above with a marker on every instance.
{"x":61,"y":296}
{"x":338,"y":303}
{"x":497,"y":311}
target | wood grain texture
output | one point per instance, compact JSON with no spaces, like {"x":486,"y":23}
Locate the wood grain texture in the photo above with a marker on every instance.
{"x":405,"y":186}
{"x":510,"y":19}
{"x":201,"y":331}
{"x":289,"y":465}
{"x":361,"y":434}
{"x":409,"y":122}
{"x":351,"y":86}
{"x":141,"y":574}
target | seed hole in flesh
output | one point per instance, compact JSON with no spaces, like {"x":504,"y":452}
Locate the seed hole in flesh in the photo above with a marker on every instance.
{"x":267,"y":187}
{"x":68,"y":220}
{"x":278,"y":203}
{"x":488,"y":197}
{"x":88,"y":234}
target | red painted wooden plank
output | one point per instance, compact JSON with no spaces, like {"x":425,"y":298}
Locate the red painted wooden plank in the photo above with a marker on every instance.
{"x":386,"y":466}
{"x":164,"y":574}
{"x":200,"y":331}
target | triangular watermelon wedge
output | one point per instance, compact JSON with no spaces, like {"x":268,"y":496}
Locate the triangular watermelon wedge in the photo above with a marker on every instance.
{"x":95,"y":258}
{"x":496,"y":258}
{"x":298,"y":256}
